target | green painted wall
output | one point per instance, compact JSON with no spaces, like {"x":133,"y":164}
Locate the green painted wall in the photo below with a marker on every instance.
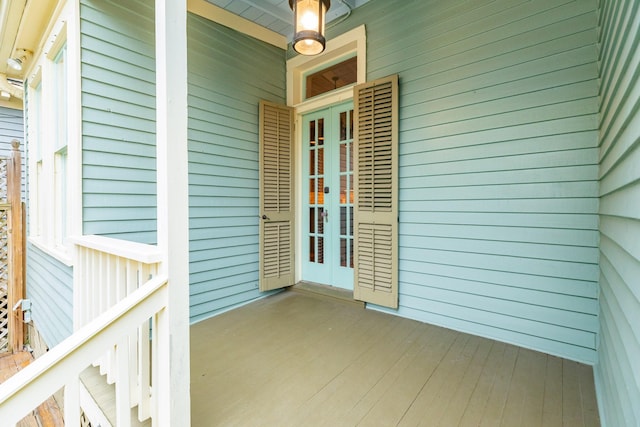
{"x":118,"y":119}
{"x":618,"y":371}
{"x":498,"y":165}
{"x":49,"y":283}
{"x":11,"y":127}
{"x":229,"y":73}
{"x":50,"y":289}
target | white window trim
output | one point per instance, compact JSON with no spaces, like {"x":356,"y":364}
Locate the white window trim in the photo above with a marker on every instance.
{"x":64,"y":28}
{"x":344,"y":46}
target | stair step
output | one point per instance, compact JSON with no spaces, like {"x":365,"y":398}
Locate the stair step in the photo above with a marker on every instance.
{"x":103,"y":396}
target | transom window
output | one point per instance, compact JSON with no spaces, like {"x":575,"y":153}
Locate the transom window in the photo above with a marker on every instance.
{"x":333,"y":77}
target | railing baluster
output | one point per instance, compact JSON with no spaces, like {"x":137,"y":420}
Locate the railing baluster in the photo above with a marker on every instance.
{"x":135,"y":369}
{"x":72,"y":402}
{"x":144,"y":372}
{"x":123,"y":397}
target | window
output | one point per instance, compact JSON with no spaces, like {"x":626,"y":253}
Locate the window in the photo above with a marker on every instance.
{"x":60,"y":200}
{"x":48,"y":148}
{"x":332,"y":77}
{"x":310,"y":80}
{"x":34,"y":122}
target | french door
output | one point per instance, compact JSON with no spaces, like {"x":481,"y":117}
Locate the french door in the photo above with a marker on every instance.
{"x":327,"y":186}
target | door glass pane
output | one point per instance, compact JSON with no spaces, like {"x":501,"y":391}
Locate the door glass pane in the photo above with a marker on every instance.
{"x":320,"y":191}
{"x":350,"y":124}
{"x":312,"y":133}
{"x":351,"y":253}
{"x":312,"y":191}
{"x":350,"y":149}
{"x":320,"y":131}
{"x":312,"y":249}
{"x":343,"y":252}
{"x":320,"y":250}
{"x":351,"y":188}
{"x":343,"y":157}
{"x":343,"y":220}
{"x":312,"y":220}
{"x":320,"y":161}
{"x":351,"y":221}
{"x":312,"y":162}
{"x":343,"y":126}
{"x":321,"y":220}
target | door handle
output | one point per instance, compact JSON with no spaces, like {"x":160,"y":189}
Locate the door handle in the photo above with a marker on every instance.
{"x":265,"y":217}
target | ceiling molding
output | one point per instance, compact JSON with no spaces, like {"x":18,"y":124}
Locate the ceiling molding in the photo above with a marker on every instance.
{"x":235,"y":22}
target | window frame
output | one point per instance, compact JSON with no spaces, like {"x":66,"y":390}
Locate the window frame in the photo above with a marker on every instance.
{"x":54,"y":179}
{"x":352,"y":43}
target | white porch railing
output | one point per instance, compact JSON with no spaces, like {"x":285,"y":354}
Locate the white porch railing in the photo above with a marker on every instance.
{"x":119,"y":302}
{"x":61,"y":367}
{"x":106,"y":270}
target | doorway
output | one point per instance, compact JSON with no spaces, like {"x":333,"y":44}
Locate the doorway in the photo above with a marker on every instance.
{"x":327,"y":186}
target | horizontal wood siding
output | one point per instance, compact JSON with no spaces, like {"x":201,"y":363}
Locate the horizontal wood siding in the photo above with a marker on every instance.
{"x":228,"y":74}
{"x":498,"y":165}
{"x":618,"y":371}
{"x":12,"y":127}
{"x":50,"y":289}
{"x":118,"y":119}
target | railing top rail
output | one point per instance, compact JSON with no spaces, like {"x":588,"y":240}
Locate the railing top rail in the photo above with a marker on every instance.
{"x":37,"y":381}
{"x":148,"y":254}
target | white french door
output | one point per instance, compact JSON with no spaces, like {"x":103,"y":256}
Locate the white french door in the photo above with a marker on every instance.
{"x":327,"y":186}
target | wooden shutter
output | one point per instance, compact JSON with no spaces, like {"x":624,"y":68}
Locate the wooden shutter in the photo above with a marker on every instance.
{"x":376,"y":193}
{"x":276,"y":196}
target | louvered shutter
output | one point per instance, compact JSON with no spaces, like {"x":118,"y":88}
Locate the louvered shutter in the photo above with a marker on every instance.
{"x":276,"y":196}
{"x":376,"y":178}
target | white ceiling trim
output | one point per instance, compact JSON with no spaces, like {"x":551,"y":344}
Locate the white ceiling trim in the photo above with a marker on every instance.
{"x":235,"y":22}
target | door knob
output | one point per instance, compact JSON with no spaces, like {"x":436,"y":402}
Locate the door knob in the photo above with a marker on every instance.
{"x":265,"y":217}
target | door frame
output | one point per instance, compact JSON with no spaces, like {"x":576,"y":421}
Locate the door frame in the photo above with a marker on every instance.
{"x":342,"y":46}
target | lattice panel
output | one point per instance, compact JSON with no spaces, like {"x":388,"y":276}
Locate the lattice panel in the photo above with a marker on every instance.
{"x":4,"y":320}
{"x":3,"y":179}
{"x":4,"y":260}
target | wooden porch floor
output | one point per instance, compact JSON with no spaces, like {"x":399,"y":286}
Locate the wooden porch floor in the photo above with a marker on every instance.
{"x":47,"y":414}
{"x":299,"y":360}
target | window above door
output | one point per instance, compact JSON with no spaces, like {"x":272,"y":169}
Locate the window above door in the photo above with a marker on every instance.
{"x":310,"y":82}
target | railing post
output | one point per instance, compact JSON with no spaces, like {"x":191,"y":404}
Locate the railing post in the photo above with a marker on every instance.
{"x":16,"y":249}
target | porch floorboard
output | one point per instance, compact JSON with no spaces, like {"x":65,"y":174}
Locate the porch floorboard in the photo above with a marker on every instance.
{"x":299,"y":360}
{"x":48,"y":413}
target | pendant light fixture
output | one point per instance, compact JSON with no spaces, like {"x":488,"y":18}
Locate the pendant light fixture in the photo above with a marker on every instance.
{"x":308,"y":25}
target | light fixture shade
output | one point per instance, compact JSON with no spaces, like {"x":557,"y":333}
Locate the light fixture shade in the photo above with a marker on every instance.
{"x":308,"y":25}
{"x":15,"y":63}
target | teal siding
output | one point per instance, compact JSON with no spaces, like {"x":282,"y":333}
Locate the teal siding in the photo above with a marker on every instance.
{"x":228,"y":74}
{"x":618,"y":371}
{"x":118,"y":119}
{"x":11,"y":127}
{"x":498,"y":165}
{"x":50,"y":288}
